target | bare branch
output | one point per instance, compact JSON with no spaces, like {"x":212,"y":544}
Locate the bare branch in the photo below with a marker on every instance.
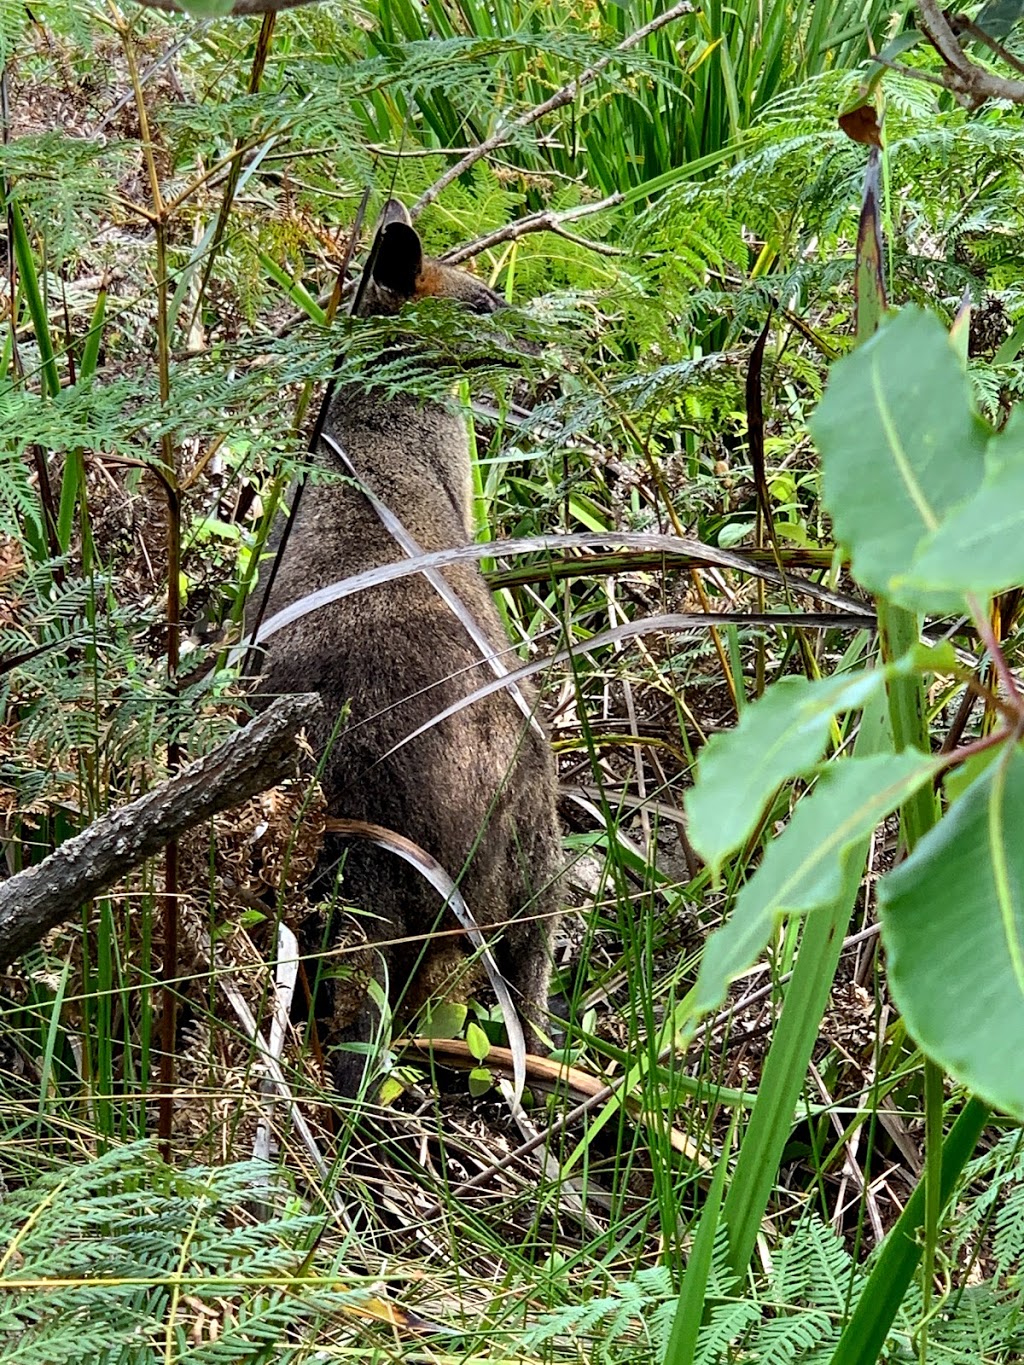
{"x":961,"y":24}
{"x":253,"y":759}
{"x":545,"y":221}
{"x":971,"y":84}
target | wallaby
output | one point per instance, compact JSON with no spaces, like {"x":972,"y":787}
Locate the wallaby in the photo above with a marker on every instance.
{"x":477,"y":790}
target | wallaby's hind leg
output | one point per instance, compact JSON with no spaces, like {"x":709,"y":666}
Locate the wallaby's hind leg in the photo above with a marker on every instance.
{"x":524,"y":959}
{"x":523,"y":952}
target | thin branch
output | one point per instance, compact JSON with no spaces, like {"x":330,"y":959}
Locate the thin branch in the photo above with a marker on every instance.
{"x":972,"y":84}
{"x":545,"y":221}
{"x":961,"y":24}
{"x":941,"y":36}
{"x":601,"y":248}
{"x":912,"y":72}
{"x":148,"y":74}
{"x":561,"y":97}
{"x":987,"y":636}
{"x":253,"y":759}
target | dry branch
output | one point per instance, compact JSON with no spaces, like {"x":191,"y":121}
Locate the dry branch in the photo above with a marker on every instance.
{"x":972,"y":84}
{"x":547,"y":220}
{"x":253,"y":759}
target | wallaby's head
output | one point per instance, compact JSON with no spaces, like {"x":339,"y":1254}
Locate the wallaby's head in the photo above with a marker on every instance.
{"x":398,"y":272}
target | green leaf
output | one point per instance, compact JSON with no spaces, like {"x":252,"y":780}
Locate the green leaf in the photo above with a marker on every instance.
{"x":444,"y":1019}
{"x":34,"y":297}
{"x":880,"y":1299}
{"x":298,"y":294}
{"x":477,"y":1041}
{"x":980,"y":548}
{"x":777,"y":737}
{"x":901,"y":448}
{"x":953,"y":928}
{"x":391,"y":1089}
{"x":804,"y":867}
{"x":480,"y":1081}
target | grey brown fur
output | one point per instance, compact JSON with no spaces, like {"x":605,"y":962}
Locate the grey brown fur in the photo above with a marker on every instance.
{"x":478,"y":790}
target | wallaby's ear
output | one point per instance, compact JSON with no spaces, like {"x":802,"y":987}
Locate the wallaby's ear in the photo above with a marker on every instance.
{"x":397,"y":256}
{"x":394,"y":211}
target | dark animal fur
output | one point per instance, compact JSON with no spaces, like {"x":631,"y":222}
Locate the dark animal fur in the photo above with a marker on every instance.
{"x":478,"y":790}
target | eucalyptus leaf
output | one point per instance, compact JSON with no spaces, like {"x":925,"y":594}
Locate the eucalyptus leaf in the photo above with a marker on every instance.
{"x":901,"y":448}
{"x":803,"y":869}
{"x":998,"y":17}
{"x":980,"y":548}
{"x":780,"y":735}
{"x":959,"y":899}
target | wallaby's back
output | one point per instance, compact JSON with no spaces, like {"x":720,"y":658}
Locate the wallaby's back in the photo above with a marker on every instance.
{"x":476,"y":790}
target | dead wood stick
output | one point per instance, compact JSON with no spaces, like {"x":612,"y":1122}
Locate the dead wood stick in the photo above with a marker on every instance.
{"x":34,"y":901}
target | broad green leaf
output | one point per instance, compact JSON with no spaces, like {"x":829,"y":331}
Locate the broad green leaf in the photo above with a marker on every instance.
{"x":804,"y":867}
{"x":444,"y":1019}
{"x":780,"y":735}
{"x":953,"y":928}
{"x":901,"y":448}
{"x":480,"y":1081}
{"x":477,"y":1041}
{"x":980,"y":548}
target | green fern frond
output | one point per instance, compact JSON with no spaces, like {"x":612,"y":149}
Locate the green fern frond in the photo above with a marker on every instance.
{"x":123,"y":1236}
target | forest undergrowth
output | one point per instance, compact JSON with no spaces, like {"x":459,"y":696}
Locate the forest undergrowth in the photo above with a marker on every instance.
{"x":710,"y":1166}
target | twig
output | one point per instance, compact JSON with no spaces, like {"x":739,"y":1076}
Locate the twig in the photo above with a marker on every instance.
{"x":962,"y":24}
{"x":601,"y":248}
{"x":147,"y":75}
{"x":561,"y":97}
{"x":1002,"y":670}
{"x":912,"y":72}
{"x":253,"y":759}
{"x":970,"y":83}
{"x":545,"y":221}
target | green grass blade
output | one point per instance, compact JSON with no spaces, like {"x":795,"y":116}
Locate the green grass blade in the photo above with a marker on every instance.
{"x":298,"y":294}
{"x":785,"y":1068}
{"x":47,"y":1083}
{"x":72,"y":484}
{"x":880,"y":1299}
{"x":91,"y":350}
{"x":72,"y":487}
{"x":682,"y":1341}
{"x":33,"y":296}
